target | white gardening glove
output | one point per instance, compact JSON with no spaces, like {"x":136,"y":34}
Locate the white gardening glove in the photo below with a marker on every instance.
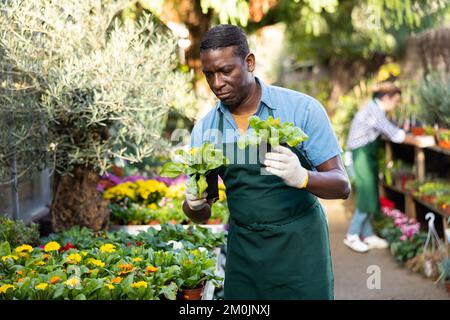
{"x":193,"y":201}
{"x":285,"y":164}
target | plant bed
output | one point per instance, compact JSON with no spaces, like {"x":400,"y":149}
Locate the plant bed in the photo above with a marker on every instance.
{"x":80,"y":264}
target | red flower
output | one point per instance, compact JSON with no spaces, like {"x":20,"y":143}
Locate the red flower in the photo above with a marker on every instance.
{"x":386,"y":203}
{"x":139,"y":243}
{"x":129,"y":244}
{"x":67,"y":247}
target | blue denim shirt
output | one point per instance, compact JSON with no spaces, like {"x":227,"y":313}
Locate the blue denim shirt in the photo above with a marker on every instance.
{"x":288,"y":105}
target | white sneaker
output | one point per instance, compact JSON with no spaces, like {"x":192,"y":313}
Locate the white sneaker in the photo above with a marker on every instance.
{"x":354,"y":242}
{"x":374,"y":242}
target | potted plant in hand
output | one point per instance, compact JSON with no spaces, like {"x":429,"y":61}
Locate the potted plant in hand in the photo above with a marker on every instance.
{"x":271,"y":133}
{"x":196,"y":163}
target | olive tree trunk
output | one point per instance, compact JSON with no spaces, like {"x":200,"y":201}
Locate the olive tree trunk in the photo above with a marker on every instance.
{"x":76,"y":201}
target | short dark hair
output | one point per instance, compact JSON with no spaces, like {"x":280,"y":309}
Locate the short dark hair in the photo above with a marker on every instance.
{"x":386,"y":88}
{"x":226,"y":35}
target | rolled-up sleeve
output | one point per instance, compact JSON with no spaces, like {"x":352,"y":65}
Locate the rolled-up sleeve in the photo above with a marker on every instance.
{"x":322,"y":144}
{"x":383,"y":125}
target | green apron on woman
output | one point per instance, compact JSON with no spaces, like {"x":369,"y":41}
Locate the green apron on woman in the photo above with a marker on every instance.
{"x":365,"y":164}
{"x":278,"y":245}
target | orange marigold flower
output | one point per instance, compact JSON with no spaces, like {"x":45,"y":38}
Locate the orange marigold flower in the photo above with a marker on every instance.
{"x":116,"y":280}
{"x":54,"y":279}
{"x":151,"y":269}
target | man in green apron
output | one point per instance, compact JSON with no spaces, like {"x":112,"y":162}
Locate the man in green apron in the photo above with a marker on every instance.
{"x":363,"y":141}
{"x":278,"y":245}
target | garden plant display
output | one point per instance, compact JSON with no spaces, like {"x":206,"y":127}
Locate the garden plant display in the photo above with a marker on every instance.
{"x":272,"y":131}
{"x":430,"y":191}
{"x":16,"y":232}
{"x":197,"y":164}
{"x":109,"y":265}
{"x":403,"y":234}
{"x":133,"y":211}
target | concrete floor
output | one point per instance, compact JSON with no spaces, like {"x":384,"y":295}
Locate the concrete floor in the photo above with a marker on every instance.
{"x":351,"y":268}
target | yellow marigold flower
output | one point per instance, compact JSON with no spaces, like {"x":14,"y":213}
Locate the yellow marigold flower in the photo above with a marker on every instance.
{"x":46,"y":256}
{"x":150,"y":269}
{"x":139,"y":284}
{"x":41,"y":286}
{"x":193,"y":151}
{"x":40,"y":263}
{"x":20,"y":280}
{"x":23,"y":254}
{"x":153,"y":206}
{"x":116,"y":280}
{"x":73,"y":258}
{"x":52,"y":246}
{"x":54,"y":279}
{"x":5,"y":288}
{"x":137,"y":259}
{"x":108,"y":248}
{"x":109,"y":286}
{"x":24,"y":247}
{"x":4,"y":258}
{"x":84,"y":253}
{"x":19,"y":272}
{"x":97,"y":262}
{"x":72,"y":282}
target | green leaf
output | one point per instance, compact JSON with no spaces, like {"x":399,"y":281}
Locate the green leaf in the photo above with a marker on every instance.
{"x":58,"y":292}
{"x":5,"y":249}
{"x":172,"y":169}
{"x":202,"y":185}
{"x":169,"y":291}
{"x":192,"y":185}
{"x":80,"y":297}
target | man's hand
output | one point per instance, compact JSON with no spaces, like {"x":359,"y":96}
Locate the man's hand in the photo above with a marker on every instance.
{"x":286,"y":165}
{"x":193,"y":201}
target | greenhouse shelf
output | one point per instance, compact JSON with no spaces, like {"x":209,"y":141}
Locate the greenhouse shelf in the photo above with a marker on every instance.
{"x":432,"y":160}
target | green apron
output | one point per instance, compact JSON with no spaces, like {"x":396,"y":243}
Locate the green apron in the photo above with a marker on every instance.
{"x":365,"y":164}
{"x":278,"y":246}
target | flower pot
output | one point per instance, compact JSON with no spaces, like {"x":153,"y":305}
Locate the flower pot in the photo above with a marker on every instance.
{"x":444,"y":144}
{"x":417,"y":131}
{"x":192,"y":294}
{"x":429,"y":199}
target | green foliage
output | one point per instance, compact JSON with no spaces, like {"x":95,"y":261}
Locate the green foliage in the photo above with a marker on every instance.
{"x":320,"y":30}
{"x":197,"y":163}
{"x":16,"y":232}
{"x":408,"y":249}
{"x":272,"y":131}
{"x":444,"y":268}
{"x":434,"y":99}
{"x":346,"y":108}
{"x":109,"y":265}
{"x":83,"y":88}
{"x":434,"y":188}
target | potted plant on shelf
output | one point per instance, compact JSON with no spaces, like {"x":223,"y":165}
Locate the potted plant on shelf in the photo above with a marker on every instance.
{"x":443,"y":138}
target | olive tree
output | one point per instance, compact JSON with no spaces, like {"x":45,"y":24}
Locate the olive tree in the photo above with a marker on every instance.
{"x":80,"y":88}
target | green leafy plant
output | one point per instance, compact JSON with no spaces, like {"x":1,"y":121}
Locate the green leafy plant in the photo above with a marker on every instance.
{"x":272,"y":131}
{"x":434,"y":96}
{"x":197,"y":163}
{"x":16,"y":232}
{"x":109,"y":265}
{"x":444,"y":269}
